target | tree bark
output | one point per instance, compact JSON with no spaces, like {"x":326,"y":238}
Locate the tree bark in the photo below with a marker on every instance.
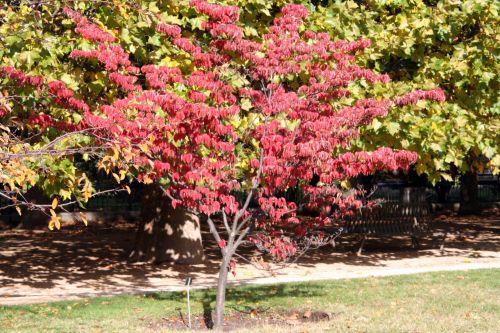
{"x":166,"y":234}
{"x":469,"y":186}
{"x":221,"y":293}
{"x":443,"y":189}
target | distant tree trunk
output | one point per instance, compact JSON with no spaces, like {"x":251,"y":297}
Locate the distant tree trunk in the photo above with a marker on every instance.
{"x":166,"y":234}
{"x":443,"y":189}
{"x":469,"y":202}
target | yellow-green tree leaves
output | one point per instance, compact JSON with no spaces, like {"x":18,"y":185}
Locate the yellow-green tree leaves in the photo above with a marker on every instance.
{"x":449,"y":43}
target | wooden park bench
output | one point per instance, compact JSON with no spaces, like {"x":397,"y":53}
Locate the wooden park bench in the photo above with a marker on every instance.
{"x":390,"y":218}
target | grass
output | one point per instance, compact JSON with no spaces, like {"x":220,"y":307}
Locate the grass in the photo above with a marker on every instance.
{"x":460,"y":301}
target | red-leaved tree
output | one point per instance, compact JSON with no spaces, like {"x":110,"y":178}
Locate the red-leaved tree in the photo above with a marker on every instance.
{"x":249,"y":119}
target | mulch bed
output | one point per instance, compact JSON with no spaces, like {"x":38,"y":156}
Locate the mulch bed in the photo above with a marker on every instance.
{"x":243,"y":319}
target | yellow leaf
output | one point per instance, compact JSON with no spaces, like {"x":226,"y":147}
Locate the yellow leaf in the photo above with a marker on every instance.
{"x":128,"y":189}
{"x":436,"y":147}
{"x":246,"y":104}
{"x":146,"y":180}
{"x":18,"y":210}
{"x":144,"y":147}
{"x":54,"y":203}
{"x":376,"y":124}
{"x":65,"y":194}
{"x":117,"y":178}
{"x":351,"y":5}
{"x":86,"y":193}
{"x":55,"y":221}
{"x":446,"y":176}
{"x":115,"y":153}
{"x":81,"y":179}
{"x":122,"y":174}
{"x":460,"y":121}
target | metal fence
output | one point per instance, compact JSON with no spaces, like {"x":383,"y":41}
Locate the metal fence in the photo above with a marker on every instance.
{"x":488,"y":192}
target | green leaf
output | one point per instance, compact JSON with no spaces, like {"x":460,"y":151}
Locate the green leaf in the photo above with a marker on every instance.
{"x":376,"y":124}
{"x":393,"y":128}
{"x":245,"y":104}
{"x":435,"y":147}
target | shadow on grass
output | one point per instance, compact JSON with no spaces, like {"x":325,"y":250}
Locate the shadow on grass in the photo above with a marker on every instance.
{"x":235,"y":296}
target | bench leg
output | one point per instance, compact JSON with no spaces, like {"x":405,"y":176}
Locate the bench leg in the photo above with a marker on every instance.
{"x":441,"y":248}
{"x":363,"y":239}
{"x":414,"y":242}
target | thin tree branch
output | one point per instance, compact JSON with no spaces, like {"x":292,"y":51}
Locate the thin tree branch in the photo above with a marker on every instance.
{"x":214,"y":232}
{"x":226,"y":224}
{"x":43,"y":207}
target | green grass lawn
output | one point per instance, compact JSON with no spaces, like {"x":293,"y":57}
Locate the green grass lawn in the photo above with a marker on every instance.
{"x":461,"y":301}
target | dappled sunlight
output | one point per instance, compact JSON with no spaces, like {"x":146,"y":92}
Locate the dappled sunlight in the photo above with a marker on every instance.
{"x":39,"y":265}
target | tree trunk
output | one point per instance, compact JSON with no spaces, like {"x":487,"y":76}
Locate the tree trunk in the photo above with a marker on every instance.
{"x":469,"y":202}
{"x":221,"y":293}
{"x":443,"y":189}
{"x":166,"y":234}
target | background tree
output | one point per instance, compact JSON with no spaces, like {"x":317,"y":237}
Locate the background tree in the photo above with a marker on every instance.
{"x":453,"y":44}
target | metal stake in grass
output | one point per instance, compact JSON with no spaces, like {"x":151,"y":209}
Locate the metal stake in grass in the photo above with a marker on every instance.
{"x":188,"y":285}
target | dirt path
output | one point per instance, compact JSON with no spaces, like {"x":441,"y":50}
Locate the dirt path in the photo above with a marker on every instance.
{"x":39,"y":266}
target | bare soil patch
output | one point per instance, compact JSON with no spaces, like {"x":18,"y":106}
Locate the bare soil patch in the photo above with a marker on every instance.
{"x":239,"y":320}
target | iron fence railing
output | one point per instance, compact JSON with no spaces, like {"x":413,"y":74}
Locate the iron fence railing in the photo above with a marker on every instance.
{"x":488,"y":192}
